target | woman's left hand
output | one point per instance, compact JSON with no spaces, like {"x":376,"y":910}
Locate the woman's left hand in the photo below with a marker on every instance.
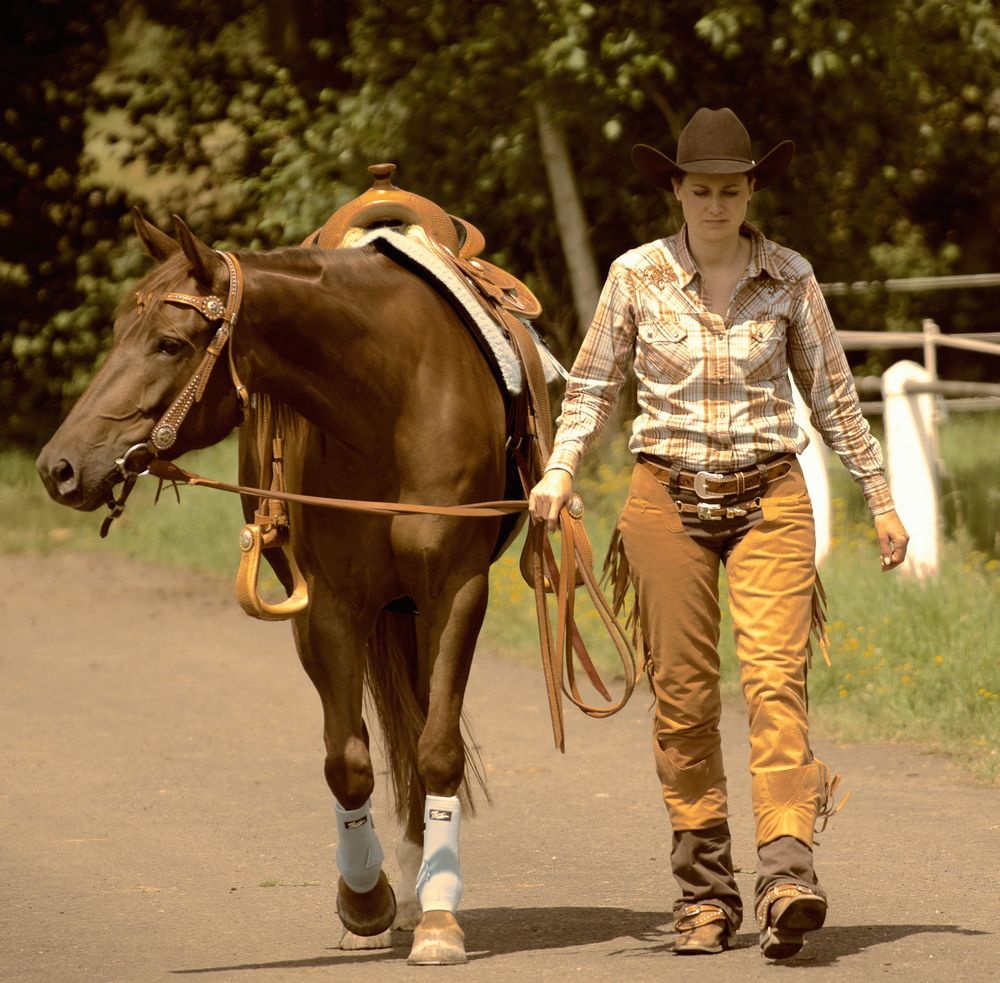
{"x":892,"y":538}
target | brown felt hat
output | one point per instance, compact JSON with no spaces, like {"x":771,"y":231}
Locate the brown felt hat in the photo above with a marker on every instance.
{"x":713,"y":142}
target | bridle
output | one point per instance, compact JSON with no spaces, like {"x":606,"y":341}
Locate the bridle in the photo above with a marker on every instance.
{"x":164,"y":433}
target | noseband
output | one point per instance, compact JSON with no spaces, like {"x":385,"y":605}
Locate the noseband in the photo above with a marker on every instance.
{"x":164,"y":432}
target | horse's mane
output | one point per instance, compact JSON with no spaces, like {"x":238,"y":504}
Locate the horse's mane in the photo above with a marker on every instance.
{"x":167,"y":275}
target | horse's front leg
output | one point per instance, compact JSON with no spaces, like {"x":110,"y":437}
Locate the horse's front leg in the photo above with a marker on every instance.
{"x":453,"y":627}
{"x":331,"y":645}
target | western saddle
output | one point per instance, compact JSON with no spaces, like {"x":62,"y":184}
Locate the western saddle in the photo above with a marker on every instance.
{"x":456,"y":240}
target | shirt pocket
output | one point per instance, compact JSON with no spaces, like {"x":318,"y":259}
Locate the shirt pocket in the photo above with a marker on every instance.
{"x":664,"y":349}
{"x":766,"y":358}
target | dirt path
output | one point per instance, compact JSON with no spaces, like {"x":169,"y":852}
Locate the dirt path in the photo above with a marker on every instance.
{"x":163,"y":816}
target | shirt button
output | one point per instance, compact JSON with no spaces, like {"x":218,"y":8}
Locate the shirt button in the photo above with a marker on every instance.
{"x":723,"y":378}
{"x":723,"y":416}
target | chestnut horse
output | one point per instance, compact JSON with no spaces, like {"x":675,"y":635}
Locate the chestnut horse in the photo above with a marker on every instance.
{"x":396,"y":403}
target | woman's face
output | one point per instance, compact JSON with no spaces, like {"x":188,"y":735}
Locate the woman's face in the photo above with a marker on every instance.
{"x":714,"y":205}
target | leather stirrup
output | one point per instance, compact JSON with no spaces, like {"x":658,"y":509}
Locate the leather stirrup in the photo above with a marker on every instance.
{"x":247,"y":593}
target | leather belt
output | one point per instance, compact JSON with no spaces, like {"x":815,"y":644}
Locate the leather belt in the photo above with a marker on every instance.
{"x":709,"y":485}
{"x":713,"y":512}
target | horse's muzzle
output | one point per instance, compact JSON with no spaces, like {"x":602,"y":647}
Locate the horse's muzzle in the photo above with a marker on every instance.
{"x":66,"y":482}
{"x":60,"y":477}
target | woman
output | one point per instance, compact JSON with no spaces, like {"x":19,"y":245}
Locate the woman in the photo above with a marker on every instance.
{"x":711,"y":320}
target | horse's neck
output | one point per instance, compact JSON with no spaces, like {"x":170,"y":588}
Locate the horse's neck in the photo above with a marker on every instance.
{"x":305,"y":339}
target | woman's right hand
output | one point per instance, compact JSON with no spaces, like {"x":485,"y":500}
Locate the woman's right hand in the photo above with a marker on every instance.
{"x":549,"y":496}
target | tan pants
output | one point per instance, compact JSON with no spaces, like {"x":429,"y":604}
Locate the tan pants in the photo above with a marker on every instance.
{"x":770,"y":566}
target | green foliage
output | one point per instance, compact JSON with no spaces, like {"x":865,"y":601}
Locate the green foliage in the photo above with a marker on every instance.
{"x":248,"y":154}
{"x":54,"y":233}
{"x":256,"y":121}
{"x":909,"y":659}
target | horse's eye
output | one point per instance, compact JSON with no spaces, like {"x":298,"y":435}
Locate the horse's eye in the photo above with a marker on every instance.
{"x":169,"y":346}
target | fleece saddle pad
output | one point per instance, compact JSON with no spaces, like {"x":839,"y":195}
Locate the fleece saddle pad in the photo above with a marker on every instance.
{"x":405,"y":246}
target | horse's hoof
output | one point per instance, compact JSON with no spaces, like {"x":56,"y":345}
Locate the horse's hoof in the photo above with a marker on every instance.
{"x":370,"y":913}
{"x":408,"y":915}
{"x":438,"y":941}
{"x":350,"y":941}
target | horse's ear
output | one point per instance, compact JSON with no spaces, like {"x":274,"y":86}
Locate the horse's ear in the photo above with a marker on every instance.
{"x":158,"y":244}
{"x":204,"y":260}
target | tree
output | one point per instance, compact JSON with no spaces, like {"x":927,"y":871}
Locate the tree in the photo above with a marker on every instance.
{"x":56,"y":234}
{"x":256,"y":121}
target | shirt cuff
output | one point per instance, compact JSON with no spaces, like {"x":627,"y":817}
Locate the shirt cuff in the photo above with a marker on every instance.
{"x":566,"y":458}
{"x":877,"y":494}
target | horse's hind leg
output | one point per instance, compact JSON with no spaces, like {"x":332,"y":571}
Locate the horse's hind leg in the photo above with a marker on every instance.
{"x":331,"y":647}
{"x":454,"y":623}
{"x":409,"y":854}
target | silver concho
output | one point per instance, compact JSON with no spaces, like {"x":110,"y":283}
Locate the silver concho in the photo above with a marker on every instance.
{"x":246,"y":540}
{"x":575,"y":506}
{"x":164,"y":436}
{"x":214,"y":306}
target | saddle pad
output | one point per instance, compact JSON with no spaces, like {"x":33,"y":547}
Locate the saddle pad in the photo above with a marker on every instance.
{"x":404,"y":247}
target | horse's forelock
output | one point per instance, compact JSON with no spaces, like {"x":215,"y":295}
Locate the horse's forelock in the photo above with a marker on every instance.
{"x":163,"y":277}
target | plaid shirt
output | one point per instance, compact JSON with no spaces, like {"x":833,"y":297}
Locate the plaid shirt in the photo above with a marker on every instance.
{"x":714,"y":392}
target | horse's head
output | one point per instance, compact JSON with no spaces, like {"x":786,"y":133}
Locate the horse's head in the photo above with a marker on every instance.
{"x":158,"y":346}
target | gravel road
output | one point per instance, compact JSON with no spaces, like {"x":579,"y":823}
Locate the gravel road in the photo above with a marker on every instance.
{"x":163,"y":816}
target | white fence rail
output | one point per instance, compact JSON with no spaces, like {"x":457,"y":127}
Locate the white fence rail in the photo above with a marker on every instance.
{"x":913,"y":399}
{"x":914,"y":284}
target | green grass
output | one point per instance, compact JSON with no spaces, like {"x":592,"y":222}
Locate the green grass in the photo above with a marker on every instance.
{"x":911,"y":661}
{"x":198,"y":534}
{"x":970,"y":478}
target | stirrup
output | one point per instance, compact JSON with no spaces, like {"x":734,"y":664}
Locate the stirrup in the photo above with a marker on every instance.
{"x":247,"y":594}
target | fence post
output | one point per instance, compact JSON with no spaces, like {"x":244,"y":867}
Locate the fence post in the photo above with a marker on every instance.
{"x":930,"y":330}
{"x":813,"y":461}
{"x":911,"y":447}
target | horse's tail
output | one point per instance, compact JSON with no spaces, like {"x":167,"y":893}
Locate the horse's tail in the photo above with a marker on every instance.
{"x":390,"y":684}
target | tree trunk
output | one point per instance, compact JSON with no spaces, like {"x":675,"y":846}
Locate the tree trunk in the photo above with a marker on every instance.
{"x":571,"y":221}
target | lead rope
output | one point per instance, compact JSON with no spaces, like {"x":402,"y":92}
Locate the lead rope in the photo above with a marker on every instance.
{"x":576,"y":566}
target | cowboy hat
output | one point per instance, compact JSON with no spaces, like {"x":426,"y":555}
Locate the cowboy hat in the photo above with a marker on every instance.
{"x":714,"y":141}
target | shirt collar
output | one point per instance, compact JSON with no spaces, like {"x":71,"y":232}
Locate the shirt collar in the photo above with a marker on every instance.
{"x":761,"y":260}
{"x":760,"y":256}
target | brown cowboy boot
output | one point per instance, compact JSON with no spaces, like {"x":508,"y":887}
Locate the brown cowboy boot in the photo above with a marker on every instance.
{"x":784,"y":914}
{"x":790,"y":803}
{"x":702,"y":929}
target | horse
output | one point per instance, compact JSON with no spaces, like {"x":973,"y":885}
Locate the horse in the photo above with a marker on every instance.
{"x":391,"y":400}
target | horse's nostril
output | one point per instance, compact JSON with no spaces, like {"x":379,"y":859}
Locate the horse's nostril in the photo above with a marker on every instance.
{"x":62,"y":471}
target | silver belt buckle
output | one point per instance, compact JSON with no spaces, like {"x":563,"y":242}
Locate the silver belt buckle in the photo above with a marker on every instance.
{"x":699,"y":484}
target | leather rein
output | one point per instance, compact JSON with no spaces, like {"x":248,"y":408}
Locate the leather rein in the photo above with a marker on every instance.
{"x":538,"y":563}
